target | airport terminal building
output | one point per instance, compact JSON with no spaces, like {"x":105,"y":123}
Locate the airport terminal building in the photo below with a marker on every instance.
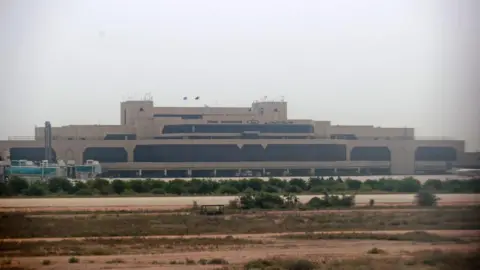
{"x":230,"y":141}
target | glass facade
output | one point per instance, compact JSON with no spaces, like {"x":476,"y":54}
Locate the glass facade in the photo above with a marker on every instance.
{"x":425,"y":153}
{"x":237,"y":128}
{"x":370,"y":153}
{"x":105,"y":154}
{"x":30,"y":153}
{"x":232,"y":153}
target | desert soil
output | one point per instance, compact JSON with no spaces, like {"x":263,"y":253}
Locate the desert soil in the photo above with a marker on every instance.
{"x":316,"y":250}
{"x":173,"y":203}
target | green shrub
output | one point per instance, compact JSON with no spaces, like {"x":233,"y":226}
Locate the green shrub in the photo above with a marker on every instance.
{"x":331,"y":201}
{"x":261,"y":200}
{"x":118,"y":186}
{"x":371,"y":202}
{"x":59,"y":184}
{"x":426,"y":198}
{"x":36,"y":189}
{"x":73,"y":260}
{"x":99,"y":186}
{"x":158,"y":191}
{"x":84,"y":192}
{"x":17,"y":185}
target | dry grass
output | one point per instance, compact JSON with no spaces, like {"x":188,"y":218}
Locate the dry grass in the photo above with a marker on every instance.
{"x":414,"y":236}
{"x":418,"y":261}
{"x":136,"y":245}
{"x":24,"y":226}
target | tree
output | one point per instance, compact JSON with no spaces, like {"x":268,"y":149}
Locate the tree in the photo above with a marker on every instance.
{"x":79,"y":185}
{"x":176,"y":186}
{"x":435,"y":184}
{"x":59,"y":184}
{"x":255,"y":183}
{"x":426,"y":198}
{"x":138,"y":186}
{"x":227,"y":189}
{"x":36,"y":189}
{"x":102,"y":185}
{"x":118,"y":186}
{"x":4,"y":189}
{"x":276,"y":182}
{"x":99,"y":183}
{"x":315,"y":182}
{"x":299,"y":182}
{"x":17,"y":185}
{"x":353,"y":184}
{"x":408,"y":184}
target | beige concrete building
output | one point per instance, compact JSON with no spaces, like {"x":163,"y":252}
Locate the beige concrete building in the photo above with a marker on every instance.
{"x":222,"y":141}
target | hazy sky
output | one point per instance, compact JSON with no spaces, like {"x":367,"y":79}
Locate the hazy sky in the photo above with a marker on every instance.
{"x":388,"y":63}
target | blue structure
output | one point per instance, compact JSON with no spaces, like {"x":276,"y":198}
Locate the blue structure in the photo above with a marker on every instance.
{"x":29,"y":169}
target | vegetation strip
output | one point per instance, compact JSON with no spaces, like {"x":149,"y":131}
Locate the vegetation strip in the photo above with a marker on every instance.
{"x":416,"y":236}
{"x":137,"y":245}
{"x":18,"y":186}
{"x":435,"y":259}
{"x":17,"y":225}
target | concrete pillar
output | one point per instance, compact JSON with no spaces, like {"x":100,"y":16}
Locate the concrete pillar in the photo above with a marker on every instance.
{"x":214,"y":172}
{"x":189,"y":172}
{"x":165,"y":172}
{"x":402,"y":157}
{"x":263,"y":172}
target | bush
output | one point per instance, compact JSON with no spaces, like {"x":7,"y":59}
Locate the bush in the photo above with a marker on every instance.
{"x":17,"y":185}
{"x":73,"y":260}
{"x":376,"y":251}
{"x":118,"y":186}
{"x":262,"y":200}
{"x":138,"y":186}
{"x":158,"y":191}
{"x":36,"y":189}
{"x":353,"y":184}
{"x":84,"y":192}
{"x":78,"y":185}
{"x":59,"y":184}
{"x":217,"y":261}
{"x":331,"y":201}
{"x":426,"y":198}
{"x":4,"y":189}
{"x":280,"y":263}
{"x":228,"y":190}
{"x":371,"y":202}
{"x":129,"y":192}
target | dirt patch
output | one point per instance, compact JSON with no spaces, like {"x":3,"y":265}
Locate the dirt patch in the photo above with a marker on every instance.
{"x":169,"y":203}
{"x":314,"y":250}
{"x":121,"y":246}
{"x":25,"y":226}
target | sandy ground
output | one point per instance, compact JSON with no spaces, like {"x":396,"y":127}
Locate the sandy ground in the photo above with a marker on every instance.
{"x":449,"y":233}
{"x":171,"y":203}
{"x":317,"y":250}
